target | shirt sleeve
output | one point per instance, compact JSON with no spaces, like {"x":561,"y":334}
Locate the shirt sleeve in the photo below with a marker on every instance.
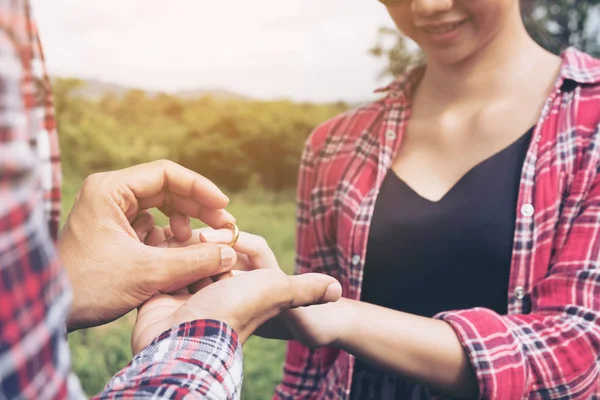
{"x":34,"y":295}
{"x":195,"y":360}
{"x":553,"y":352}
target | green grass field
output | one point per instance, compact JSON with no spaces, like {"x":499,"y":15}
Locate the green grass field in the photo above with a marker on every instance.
{"x":100,"y":352}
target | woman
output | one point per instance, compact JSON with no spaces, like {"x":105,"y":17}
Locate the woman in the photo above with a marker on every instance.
{"x":474,"y":186}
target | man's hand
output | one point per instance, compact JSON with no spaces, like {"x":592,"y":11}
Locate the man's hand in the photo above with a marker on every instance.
{"x":244,"y":302}
{"x":112,"y":271}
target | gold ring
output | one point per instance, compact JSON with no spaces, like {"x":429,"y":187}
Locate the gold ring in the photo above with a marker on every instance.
{"x":236,"y":233}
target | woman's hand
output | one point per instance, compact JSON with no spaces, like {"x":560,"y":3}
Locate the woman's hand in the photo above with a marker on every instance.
{"x":314,"y":326}
{"x":111,"y":270}
{"x":243,"y":302}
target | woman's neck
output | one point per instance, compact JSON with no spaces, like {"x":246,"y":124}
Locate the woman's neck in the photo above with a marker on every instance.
{"x":500,"y":67}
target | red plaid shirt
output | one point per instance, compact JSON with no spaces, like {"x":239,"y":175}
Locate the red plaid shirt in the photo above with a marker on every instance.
{"x":548,"y":346}
{"x":200,"y":359}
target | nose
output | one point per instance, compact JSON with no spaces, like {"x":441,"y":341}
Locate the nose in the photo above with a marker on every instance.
{"x":428,"y":8}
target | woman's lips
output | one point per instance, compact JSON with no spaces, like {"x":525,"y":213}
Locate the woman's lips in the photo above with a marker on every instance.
{"x":443,"y":32}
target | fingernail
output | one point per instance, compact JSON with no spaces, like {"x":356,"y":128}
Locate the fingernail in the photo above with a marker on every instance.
{"x":333,"y":293}
{"x":228,"y":257}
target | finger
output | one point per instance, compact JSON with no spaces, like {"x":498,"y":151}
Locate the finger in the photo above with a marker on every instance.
{"x":255,"y":247}
{"x":199,"y":285}
{"x":242,"y":263}
{"x":179,"y":267}
{"x":309,"y":289}
{"x":168,"y":202}
{"x":143,"y":224}
{"x":221,"y":276}
{"x":180,"y":226}
{"x":181,"y":291}
{"x":151,"y":179}
{"x":156,"y":237}
{"x":226,"y":275}
{"x":172,"y":242}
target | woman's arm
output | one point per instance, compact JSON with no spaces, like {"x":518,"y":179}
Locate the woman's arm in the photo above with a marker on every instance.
{"x":422,"y":349}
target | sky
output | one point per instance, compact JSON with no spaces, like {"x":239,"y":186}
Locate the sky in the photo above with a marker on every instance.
{"x":305,"y":50}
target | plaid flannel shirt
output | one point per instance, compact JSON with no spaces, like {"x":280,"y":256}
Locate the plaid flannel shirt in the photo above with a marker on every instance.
{"x":548,"y":346}
{"x":200,"y":359}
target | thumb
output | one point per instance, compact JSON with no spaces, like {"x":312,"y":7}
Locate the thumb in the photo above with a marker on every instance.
{"x":310,"y":289}
{"x":182,"y":266}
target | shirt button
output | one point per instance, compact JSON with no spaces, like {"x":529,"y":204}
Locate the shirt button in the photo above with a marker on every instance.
{"x":520,"y":292}
{"x":527,"y":210}
{"x":356,"y":260}
{"x":391,"y":135}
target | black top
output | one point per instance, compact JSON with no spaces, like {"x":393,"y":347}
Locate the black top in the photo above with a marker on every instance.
{"x":424,"y":257}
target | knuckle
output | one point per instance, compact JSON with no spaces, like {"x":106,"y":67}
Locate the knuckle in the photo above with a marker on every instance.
{"x":262,"y":242}
{"x":316,"y":295}
{"x":93,"y":180}
{"x":262,"y":245}
{"x":164,"y":163}
{"x":285,"y":293}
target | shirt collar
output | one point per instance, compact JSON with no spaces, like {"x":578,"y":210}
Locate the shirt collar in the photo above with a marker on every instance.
{"x":577,"y":66}
{"x":580,"y":67}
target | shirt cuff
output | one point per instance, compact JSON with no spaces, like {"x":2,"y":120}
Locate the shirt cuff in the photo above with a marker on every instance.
{"x":201,"y":357}
{"x":492,"y":350}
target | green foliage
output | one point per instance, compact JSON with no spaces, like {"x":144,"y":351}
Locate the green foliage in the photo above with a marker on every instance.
{"x":558,"y":24}
{"x":233,"y":142}
{"x":99,"y":353}
{"x":395,"y":48}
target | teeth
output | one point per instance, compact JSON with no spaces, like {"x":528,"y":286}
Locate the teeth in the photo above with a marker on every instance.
{"x":444,"y":28}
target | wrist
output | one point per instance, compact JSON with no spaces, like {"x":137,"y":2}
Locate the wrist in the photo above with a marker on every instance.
{"x":346,"y":317}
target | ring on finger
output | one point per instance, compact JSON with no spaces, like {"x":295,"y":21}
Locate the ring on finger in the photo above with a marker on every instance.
{"x":236,"y":233}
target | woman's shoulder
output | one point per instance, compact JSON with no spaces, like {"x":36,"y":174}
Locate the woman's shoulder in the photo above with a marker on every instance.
{"x":581,"y":70}
{"x":581,"y":67}
{"x":580,"y":76}
{"x":348,"y":126}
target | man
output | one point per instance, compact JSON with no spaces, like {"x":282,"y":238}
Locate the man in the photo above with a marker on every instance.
{"x":186,"y":344}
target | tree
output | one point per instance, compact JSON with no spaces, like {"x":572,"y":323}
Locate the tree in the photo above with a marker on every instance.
{"x":558,"y":24}
{"x":400,"y":55}
{"x":555,"y":25}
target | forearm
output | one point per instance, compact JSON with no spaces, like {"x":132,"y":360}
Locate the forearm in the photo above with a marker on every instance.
{"x":422,"y":349}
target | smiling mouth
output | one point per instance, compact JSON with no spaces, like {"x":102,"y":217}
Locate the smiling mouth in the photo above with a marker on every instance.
{"x":438,"y":30}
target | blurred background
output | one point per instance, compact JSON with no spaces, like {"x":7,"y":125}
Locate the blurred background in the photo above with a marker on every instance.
{"x":231,"y":90}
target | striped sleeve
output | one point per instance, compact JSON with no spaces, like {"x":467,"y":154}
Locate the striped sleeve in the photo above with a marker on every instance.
{"x":195,"y":360}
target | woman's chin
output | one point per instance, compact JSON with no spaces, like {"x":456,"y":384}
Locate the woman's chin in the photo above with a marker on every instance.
{"x":451,"y":56}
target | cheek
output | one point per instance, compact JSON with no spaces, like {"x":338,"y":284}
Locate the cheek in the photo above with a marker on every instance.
{"x":489,"y":15}
{"x":402,"y":17}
